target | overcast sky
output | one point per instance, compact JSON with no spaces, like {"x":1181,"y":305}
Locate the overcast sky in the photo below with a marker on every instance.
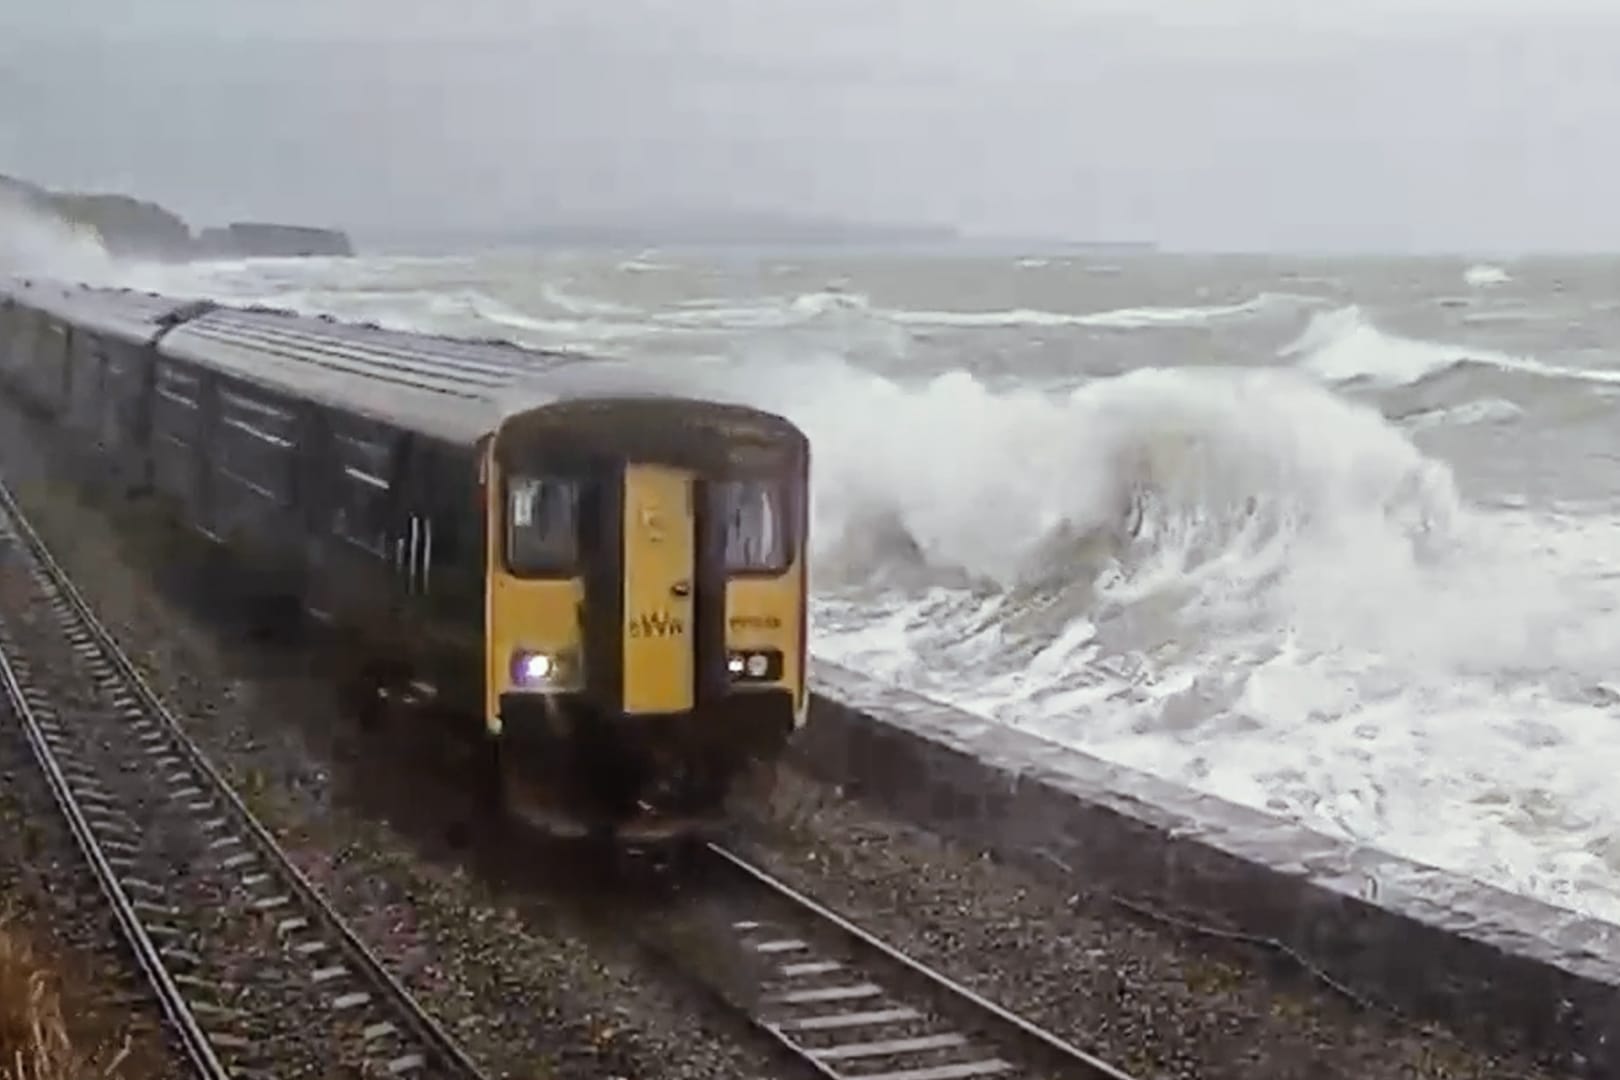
{"x":1252,"y":124}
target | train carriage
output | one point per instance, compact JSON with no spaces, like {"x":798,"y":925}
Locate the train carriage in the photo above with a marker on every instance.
{"x":598,"y":567}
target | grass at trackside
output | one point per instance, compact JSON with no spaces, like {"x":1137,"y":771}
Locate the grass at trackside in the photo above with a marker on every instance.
{"x":36,"y":1041}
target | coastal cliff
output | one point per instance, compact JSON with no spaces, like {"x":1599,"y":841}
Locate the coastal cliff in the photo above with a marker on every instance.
{"x":126,"y":226}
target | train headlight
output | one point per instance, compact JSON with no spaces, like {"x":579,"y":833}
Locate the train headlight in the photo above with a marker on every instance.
{"x":754,"y":665}
{"x":536,"y":670}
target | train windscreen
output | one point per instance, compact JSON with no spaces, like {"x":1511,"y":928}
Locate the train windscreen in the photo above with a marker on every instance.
{"x":542,"y":525}
{"x":756,"y":526}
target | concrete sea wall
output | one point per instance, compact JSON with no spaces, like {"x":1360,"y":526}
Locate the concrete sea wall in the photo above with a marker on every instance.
{"x":1433,"y":944}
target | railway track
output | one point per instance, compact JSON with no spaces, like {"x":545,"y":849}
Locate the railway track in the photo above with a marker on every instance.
{"x":255,"y":974}
{"x":848,"y":1006}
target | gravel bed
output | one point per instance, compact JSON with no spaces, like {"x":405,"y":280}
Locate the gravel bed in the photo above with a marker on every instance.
{"x":285,"y":1021}
{"x":509,"y":972}
{"x":1150,"y":999}
{"x":49,"y":896}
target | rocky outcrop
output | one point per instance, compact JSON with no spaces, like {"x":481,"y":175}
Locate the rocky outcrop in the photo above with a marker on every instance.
{"x":243,"y":239}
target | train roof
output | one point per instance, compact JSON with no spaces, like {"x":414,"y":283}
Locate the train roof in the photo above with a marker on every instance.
{"x":447,"y":388}
{"x":132,"y":316}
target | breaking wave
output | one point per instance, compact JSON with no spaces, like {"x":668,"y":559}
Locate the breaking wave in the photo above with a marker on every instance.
{"x":1241,"y":581}
{"x":1484,"y":274}
{"x":778,"y":312}
{"x":1343,"y":346}
{"x":1136,"y":318}
{"x":35,"y":242}
{"x":986,"y":486}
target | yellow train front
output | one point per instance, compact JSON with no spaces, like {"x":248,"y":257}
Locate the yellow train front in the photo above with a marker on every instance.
{"x":645,"y":609}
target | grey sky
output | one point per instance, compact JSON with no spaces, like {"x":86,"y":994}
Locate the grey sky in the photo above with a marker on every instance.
{"x":1205,"y":123}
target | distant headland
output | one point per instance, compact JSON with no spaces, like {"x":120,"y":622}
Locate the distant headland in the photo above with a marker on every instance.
{"x":674,"y":229}
{"x":665,"y":229}
{"x":131,"y":227}
{"x":126,"y":226}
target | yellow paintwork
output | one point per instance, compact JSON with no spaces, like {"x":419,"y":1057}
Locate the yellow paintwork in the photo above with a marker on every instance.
{"x":763,"y":613}
{"x":519,"y":613}
{"x":659,"y":567}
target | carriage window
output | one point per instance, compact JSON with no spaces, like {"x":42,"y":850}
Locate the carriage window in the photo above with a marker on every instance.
{"x":756,"y":526}
{"x":542,"y":525}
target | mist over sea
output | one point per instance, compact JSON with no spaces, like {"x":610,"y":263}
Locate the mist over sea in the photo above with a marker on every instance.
{"x":1338,"y":539}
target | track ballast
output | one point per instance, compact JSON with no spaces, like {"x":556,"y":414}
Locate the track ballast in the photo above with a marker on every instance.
{"x":255,"y":973}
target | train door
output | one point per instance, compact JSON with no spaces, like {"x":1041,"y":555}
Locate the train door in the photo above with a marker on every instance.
{"x":659,"y":566}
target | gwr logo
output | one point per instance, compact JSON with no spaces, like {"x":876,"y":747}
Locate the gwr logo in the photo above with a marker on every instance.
{"x":656,"y":624}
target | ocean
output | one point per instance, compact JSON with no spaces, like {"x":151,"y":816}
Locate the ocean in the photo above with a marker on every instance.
{"x":1338,"y":539}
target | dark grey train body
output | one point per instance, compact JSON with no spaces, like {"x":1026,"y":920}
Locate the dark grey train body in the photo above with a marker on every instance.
{"x":364,"y":475}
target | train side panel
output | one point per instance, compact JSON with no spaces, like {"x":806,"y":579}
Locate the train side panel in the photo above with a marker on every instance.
{"x":371,"y":529}
{"x":444,"y":572}
{"x":123,"y":404}
{"x":35,"y":365}
{"x":15,"y":340}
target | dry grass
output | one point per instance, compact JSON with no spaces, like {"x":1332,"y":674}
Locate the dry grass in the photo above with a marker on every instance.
{"x":35,"y":1043}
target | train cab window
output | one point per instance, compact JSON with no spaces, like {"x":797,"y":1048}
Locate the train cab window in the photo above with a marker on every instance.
{"x":756,"y":526}
{"x":542,"y":525}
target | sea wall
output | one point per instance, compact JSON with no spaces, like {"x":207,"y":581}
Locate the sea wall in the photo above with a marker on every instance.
{"x":1439,"y":946}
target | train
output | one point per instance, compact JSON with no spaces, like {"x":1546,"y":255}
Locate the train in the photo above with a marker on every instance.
{"x":591,"y":569}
